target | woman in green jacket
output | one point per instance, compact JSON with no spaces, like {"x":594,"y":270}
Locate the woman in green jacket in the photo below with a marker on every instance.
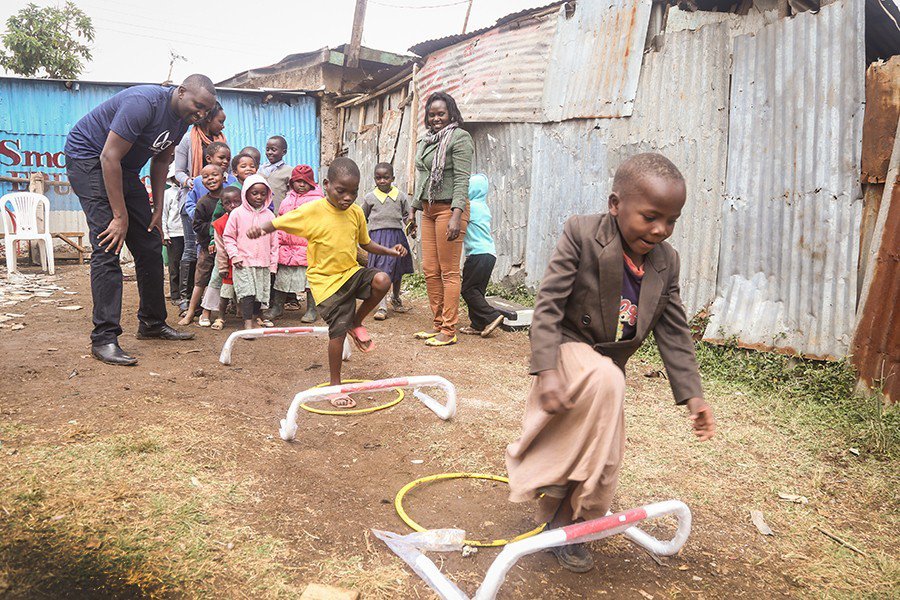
{"x":443,"y":165}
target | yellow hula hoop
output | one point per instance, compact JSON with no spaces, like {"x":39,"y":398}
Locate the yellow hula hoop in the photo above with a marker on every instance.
{"x":353,"y":411}
{"x":398,"y":505}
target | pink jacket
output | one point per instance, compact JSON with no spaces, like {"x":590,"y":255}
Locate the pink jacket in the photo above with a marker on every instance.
{"x":291,"y":248}
{"x":261,"y":252}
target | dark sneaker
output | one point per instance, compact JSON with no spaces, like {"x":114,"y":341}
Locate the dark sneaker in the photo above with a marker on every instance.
{"x":574,"y":557}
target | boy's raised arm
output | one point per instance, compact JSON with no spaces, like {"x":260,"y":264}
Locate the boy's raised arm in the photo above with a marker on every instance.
{"x":555,"y":289}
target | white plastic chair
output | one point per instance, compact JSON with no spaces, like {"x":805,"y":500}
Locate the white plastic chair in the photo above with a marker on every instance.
{"x":25,"y":206}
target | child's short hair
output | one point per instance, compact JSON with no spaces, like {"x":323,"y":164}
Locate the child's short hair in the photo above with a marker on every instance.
{"x":214,"y":147}
{"x":642,"y":165}
{"x":280,"y":139}
{"x":342,"y":166}
{"x":231,"y":191}
{"x":237,"y":159}
{"x":385,"y":166}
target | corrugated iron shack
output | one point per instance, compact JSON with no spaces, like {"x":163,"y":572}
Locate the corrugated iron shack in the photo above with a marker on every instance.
{"x":760,"y":103}
{"x":37,"y":114}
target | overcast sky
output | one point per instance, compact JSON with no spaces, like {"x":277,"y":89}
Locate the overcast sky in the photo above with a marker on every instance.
{"x":133,"y":39}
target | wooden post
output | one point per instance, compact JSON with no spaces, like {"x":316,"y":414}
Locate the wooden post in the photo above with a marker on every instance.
{"x":468,"y":12}
{"x":413,"y":128}
{"x":351,"y":58}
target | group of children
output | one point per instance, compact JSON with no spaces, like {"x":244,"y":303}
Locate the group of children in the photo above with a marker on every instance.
{"x":611,"y":281}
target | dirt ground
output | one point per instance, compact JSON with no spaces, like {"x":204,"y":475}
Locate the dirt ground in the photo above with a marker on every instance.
{"x":169,"y":479}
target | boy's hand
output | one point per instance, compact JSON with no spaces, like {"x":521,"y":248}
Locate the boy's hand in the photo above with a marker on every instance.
{"x":167,"y":241}
{"x":237,"y":264}
{"x":399,"y":250}
{"x":704,"y":422}
{"x":255,"y":232}
{"x":212,"y":248}
{"x":552,"y":392}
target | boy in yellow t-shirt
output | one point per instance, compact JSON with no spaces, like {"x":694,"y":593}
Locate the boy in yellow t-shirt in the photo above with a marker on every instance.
{"x":333,"y":227}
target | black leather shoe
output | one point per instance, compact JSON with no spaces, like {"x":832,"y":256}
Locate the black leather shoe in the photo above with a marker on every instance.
{"x":111,"y":354}
{"x":163,"y":332}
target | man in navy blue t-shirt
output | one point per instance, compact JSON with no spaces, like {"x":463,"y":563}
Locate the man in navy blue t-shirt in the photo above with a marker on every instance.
{"x":105,"y":151}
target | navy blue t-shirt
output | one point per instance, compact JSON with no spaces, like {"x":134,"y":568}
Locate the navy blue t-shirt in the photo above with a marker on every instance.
{"x":141,"y":114}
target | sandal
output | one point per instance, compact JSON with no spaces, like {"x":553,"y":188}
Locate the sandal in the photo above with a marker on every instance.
{"x":492,"y":326}
{"x":425,"y":335}
{"x":203,"y":322}
{"x":433,"y":341}
{"x":264,"y":322}
{"x":361,"y":336}
{"x":218,"y":324}
{"x":342,"y":401}
{"x":380,"y":314}
{"x":469,"y":331}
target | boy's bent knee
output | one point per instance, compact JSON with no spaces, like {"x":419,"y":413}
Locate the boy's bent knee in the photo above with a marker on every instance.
{"x":381,"y":282}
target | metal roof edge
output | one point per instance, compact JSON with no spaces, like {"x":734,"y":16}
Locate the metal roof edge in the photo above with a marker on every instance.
{"x":69,"y":82}
{"x":426,"y":47}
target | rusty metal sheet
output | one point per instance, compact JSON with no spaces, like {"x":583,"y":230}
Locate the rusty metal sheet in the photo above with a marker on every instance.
{"x":792,"y":211}
{"x":880,"y":122}
{"x":387,"y":137}
{"x":692,"y":71}
{"x":596,"y":60}
{"x":876,"y":345}
{"x":497,"y":76}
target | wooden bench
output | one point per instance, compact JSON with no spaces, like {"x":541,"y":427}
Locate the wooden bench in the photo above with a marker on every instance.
{"x":67,"y":236}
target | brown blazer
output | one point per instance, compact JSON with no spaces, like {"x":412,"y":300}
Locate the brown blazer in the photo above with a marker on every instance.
{"x":579,"y":297}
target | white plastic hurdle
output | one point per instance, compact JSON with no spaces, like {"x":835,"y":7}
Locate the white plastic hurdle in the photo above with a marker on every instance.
{"x":288,"y":429}
{"x":263,"y":332}
{"x":409,"y":547}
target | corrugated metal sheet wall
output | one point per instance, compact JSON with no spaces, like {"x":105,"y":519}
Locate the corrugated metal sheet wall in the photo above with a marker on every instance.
{"x":691,"y":72}
{"x":596,"y":60}
{"x":569,"y":176}
{"x":790,"y":241}
{"x":495,"y":76}
{"x":784,"y":133}
{"x":36,"y":116}
{"x":503,"y":152}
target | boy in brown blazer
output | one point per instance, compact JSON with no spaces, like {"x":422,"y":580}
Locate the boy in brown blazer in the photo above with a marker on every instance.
{"x":611,"y":281}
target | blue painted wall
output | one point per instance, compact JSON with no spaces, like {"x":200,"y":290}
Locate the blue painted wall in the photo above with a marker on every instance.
{"x":36,"y":115}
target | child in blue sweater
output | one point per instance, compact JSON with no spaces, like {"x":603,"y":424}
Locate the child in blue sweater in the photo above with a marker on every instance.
{"x":481,"y":255}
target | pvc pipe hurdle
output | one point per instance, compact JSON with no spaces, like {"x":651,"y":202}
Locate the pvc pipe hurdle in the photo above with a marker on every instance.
{"x":623,"y":522}
{"x":264,"y":332}
{"x":445,"y":412}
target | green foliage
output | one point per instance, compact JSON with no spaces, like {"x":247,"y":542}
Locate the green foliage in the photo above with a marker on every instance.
{"x":50,"y":42}
{"x":822,"y":391}
{"x":519,"y":294}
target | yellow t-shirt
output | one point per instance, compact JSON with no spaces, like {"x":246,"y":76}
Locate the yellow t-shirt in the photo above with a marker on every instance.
{"x":332,"y":236}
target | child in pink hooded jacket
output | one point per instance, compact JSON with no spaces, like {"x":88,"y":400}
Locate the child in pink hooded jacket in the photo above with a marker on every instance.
{"x":252,"y":260}
{"x":291,"y":276}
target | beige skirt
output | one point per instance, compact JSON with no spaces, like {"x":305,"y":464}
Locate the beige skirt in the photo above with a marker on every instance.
{"x":581,"y":448}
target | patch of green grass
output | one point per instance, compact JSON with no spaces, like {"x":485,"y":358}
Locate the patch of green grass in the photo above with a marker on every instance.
{"x":818,"y":392}
{"x":414,"y":285}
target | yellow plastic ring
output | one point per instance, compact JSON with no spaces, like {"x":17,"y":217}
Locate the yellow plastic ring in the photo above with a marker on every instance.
{"x":398,"y":505}
{"x":353,"y":411}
